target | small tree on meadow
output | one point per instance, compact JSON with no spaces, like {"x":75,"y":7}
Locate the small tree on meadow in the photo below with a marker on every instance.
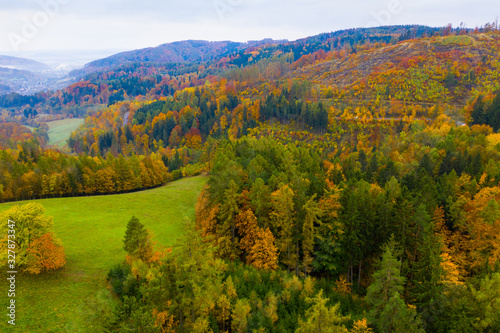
{"x":32,"y":238}
{"x":137,"y":241}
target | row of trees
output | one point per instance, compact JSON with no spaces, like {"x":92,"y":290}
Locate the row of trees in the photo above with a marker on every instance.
{"x":32,"y":172}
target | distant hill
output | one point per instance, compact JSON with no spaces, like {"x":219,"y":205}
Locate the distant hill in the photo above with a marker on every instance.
{"x":23,"y":64}
{"x":176,"y":52}
{"x":21,"y":81}
{"x":26,"y":76}
{"x":139,"y":72}
{"x":441,"y":69}
{"x":193,"y":51}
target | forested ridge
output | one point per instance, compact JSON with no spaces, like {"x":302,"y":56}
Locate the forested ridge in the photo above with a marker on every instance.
{"x":351,"y":188}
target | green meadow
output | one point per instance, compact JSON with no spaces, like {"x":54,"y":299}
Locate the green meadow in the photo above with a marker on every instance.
{"x":92,"y":229}
{"x":60,"y":130}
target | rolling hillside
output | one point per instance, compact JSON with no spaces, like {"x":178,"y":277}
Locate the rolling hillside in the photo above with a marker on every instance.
{"x":446,"y":69}
{"x":22,"y":64}
{"x":61,"y":301}
{"x":189,"y":51}
{"x":60,"y":131}
{"x":26,"y":76}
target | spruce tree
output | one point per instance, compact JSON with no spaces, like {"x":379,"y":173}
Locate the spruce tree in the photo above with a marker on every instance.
{"x":427,"y":282}
{"x":397,"y":317}
{"x":136,"y":237}
{"x":387,"y":281}
{"x":322,"y":318}
{"x":389,"y":311}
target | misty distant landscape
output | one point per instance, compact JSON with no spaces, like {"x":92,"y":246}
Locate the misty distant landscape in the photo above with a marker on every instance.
{"x":250,"y":166}
{"x":50,"y":71}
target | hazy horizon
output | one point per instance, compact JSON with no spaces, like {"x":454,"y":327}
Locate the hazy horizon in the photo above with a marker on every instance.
{"x":120,"y":25}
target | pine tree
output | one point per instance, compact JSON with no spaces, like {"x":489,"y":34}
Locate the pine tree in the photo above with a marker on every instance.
{"x":260,"y":201}
{"x":488,"y":297}
{"x":398,"y":318}
{"x":329,"y":235}
{"x":387,"y":281}
{"x":282,"y":217}
{"x":240,"y":314}
{"x":322,"y":318}
{"x":427,"y":270}
{"x":137,"y":239}
{"x":313,"y":213}
{"x":229,"y":209}
{"x":389,"y":311}
{"x":191,"y":279}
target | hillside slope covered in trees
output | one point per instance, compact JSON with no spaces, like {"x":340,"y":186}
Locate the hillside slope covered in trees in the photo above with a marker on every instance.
{"x":372,"y":154}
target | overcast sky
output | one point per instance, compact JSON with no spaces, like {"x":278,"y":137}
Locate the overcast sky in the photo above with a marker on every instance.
{"x":29,"y":25}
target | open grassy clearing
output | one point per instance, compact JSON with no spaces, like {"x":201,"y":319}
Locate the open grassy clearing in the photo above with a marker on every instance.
{"x":92,"y":229}
{"x":60,"y":130}
{"x":30,"y":128}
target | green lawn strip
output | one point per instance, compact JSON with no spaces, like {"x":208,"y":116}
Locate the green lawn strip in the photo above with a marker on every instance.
{"x":60,"y":130}
{"x":92,"y":229}
{"x":30,"y":128}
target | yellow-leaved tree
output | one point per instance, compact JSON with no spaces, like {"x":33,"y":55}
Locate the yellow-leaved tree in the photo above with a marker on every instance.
{"x":282,"y":217}
{"x":30,"y":234}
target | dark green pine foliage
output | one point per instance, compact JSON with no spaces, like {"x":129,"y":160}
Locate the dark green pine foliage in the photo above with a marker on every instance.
{"x":489,"y":115}
{"x":387,"y":281}
{"x":398,"y":317}
{"x":494,"y":113}
{"x":427,"y":274}
{"x":388,"y":310}
{"x":136,"y":236}
{"x":360,"y":218}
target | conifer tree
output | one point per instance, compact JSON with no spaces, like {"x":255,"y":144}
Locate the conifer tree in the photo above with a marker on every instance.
{"x":313,"y":213}
{"x":427,"y":271}
{"x":240,"y":314}
{"x":322,"y":318}
{"x":389,"y":311}
{"x":387,"y":281}
{"x":282,"y":216}
{"x":137,"y":239}
{"x":260,"y":201}
{"x":329,"y":235}
{"x":228,"y":243}
{"x":397,"y":317}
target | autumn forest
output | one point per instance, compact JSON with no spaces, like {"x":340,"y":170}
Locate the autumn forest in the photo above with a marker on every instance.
{"x":351,"y":182}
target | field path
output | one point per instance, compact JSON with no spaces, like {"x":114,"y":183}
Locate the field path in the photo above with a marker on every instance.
{"x":125,"y":118}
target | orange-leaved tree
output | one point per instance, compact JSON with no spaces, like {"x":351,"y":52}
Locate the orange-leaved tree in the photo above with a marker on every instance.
{"x":264,"y":253}
{"x":27,"y":231}
{"x":45,"y":253}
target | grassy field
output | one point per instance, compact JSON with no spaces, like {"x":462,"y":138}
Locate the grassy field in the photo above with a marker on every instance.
{"x":30,"y":128}
{"x":92,"y":229}
{"x":60,"y":130}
